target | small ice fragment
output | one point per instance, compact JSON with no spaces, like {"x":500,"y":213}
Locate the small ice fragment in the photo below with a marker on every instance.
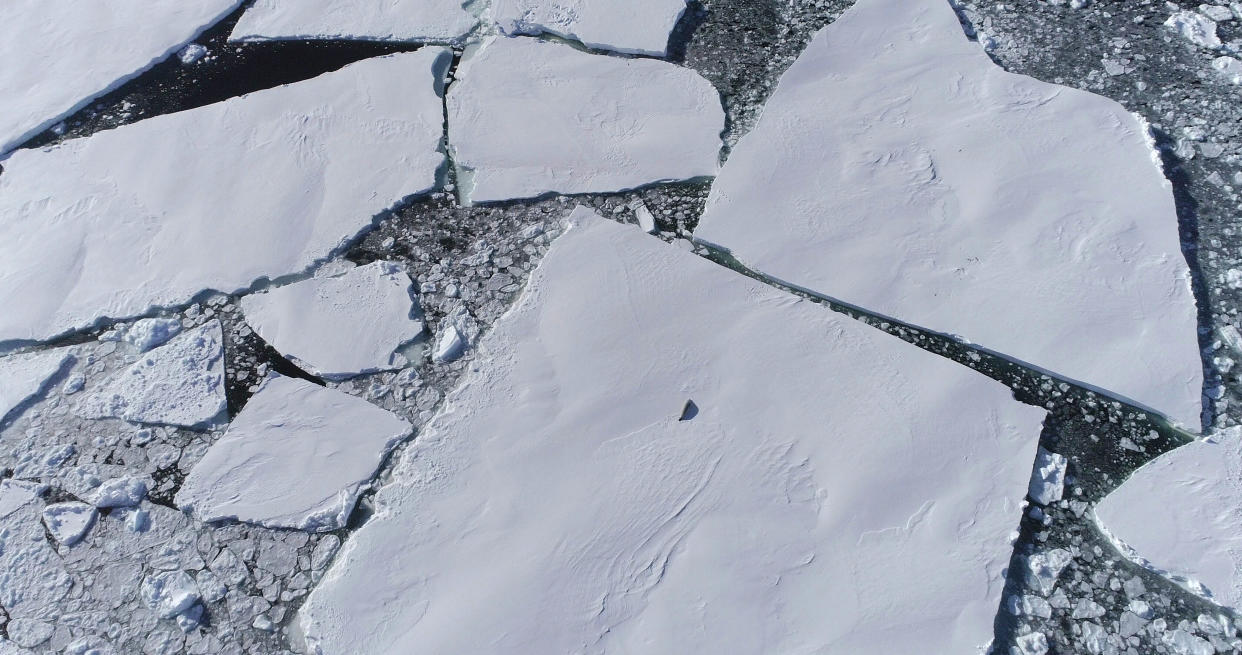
{"x":120,"y":492}
{"x":449,"y":346}
{"x":68,"y":522}
{"x":1034,"y":643}
{"x":169,"y":593}
{"x":646,"y":220}
{"x":1048,"y":478}
{"x":1230,"y":67}
{"x":192,"y":53}
{"x":1043,"y":569}
{"x":1216,"y":12}
{"x":149,"y":333}
{"x":1194,"y":27}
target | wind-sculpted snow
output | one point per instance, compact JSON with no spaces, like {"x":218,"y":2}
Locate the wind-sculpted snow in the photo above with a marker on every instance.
{"x":897,"y":169}
{"x":340,"y":326}
{"x":261,"y":186}
{"x":528,"y":118}
{"x":59,"y":54}
{"x":837,"y":491}
{"x":295,"y":457}
{"x":630,"y":26}
{"x":1180,"y":513}
{"x":436,"y":21}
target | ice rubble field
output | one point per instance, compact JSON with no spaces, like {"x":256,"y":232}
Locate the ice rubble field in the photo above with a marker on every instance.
{"x":649,"y":451}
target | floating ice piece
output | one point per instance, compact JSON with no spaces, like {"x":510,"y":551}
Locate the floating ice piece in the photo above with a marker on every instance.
{"x":436,"y":21}
{"x":68,"y":522}
{"x":896,"y":168}
{"x":1230,"y":68}
{"x":557,"y":502}
{"x":337,"y":327}
{"x":60,"y":54}
{"x":297,"y":456}
{"x":1034,"y":643}
{"x":32,"y":577}
{"x":1048,"y":478}
{"x":169,"y":593}
{"x":1194,"y":27}
{"x":527,"y":118}
{"x":635,"y":27}
{"x":449,"y":346}
{"x":149,"y":333}
{"x":646,"y":220}
{"x":1179,"y":513}
{"x":180,"y":383}
{"x":25,"y":375}
{"x":219,"y":197}
{"x":1043,"y":569}
{"x":15,"y":494}
{"x":120,"y":492}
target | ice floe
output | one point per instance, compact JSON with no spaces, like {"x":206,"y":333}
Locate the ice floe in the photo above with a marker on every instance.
{"x":636,"y":27}
{"x":528,"y":117}
{"x":32,"y":577}
{"x":60,"y":54}
{"x":125,"y":491}
{"x":1179,"y":513}
{"x":1048,"y":478}
{"x":297,"y":456}
{"x":261,"y":186}
{"x":68,"y":522}
{"x":26,"y":374}
{"x":435,"y":21}
{"x":179,"y":383}
{"x":343,"y":325}
{"x":838,"y":490}
{"x":898,"y":169}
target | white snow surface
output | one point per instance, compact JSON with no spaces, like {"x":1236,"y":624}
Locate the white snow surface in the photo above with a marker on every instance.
{"x":557,"y":505}
{"x":1179,"y":513}
{"x":436,"y":21}
{"x":896,"y":168}
{"x":179,"y":383}
{"x":128,"y":219}
{"x":630,"y":26}
{"x":68,"y":522}
{"x":60,"y":54}
{"x":529,"y":117}
{"x":296,"y":456}
{"x":340,"y":326}
{"x":125,"y":491}
{"x":26,"y":374}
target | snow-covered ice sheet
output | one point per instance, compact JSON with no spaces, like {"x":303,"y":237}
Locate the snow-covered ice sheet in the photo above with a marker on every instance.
{"x":838,"y":491}
{"x":529,"y":117}
{"x":296,"y":456}
{"x":60,"y":54}
{"x":1180,"y":513}
{"x":631,"y":26}
{"x":219,"y":197}
{"x":340,"y":326}
{"x":179,"y":383}
{"x":423,"y":21}
{"x":26,"y":374}
{"x":68,"y":522}
{"x":896,"y":168}
{"x":32,"y":577}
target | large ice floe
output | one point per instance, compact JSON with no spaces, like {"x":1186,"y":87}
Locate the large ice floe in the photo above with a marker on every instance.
{"x":24,"y":375}
{"x":641,"y":27}
{"x":838,"y":490}
{"x":60,"y":54}
{"x":297,"y":456}
{"x":339,"y":326}
{"x":896,"y":168}
{"x":435,"y":21}
{"x":180,"y":383}
{"x":528,"y":117}
{"x":219,"y":197}
{"x":32,"y":577}
{"x":1180,"y":514}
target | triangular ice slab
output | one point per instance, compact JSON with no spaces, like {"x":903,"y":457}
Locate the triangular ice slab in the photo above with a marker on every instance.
{"x":59,"y":54}
{"x":838,"y":491}
{"x":337,"y":327}
{"x":296,"y":456}
{"x":260,"y":186}
{"x":631,"y":26}
{"x":896,"y":168}
{"x":436,"y":21}
{"x":24,"y":375}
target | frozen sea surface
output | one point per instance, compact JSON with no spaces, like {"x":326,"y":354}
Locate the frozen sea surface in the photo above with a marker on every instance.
{"x":296,"y":456}
{"x":261,"y":186}
{"x":896,"y":168}
{"x":24,"y":375}
{"x":838,"y":491}
{"x":630,"y":26}
{"x":436,"y":21}
{"x":59,"y":54}
{"x":528,"y":117}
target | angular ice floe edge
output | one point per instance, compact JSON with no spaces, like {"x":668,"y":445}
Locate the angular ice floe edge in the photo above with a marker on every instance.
{"x":6,"y":150}
{"x":720,"y":252}
{"x":1193,"y":586}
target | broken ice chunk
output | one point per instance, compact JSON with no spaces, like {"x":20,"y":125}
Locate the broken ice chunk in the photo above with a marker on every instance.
{"x":646,"y":220}
{"x":421,"y":21}
{"x":337,"y":327}
{"x":68,"y":522}
{"x":898,"y":169}
{"x":1179,"y":513}
{"x":528,"y":117}
{"x":24,"y":375}
{"x":256,"y":187}
{"x":1034,"y":643}
{"x":631,"y":26}
{"x":557,"y":501}
{"x":120,"y":492}
{"x":449,"y":346}
{"x":181,"y":383}
{"x":149,"y":333}
{"x":1048,"y":478}
{"x":297,"y":456}
{"x":1043,"y":569}
{"x":59,"y":54}
{"x":169,"y":593}
{"x":1194,"y":27}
